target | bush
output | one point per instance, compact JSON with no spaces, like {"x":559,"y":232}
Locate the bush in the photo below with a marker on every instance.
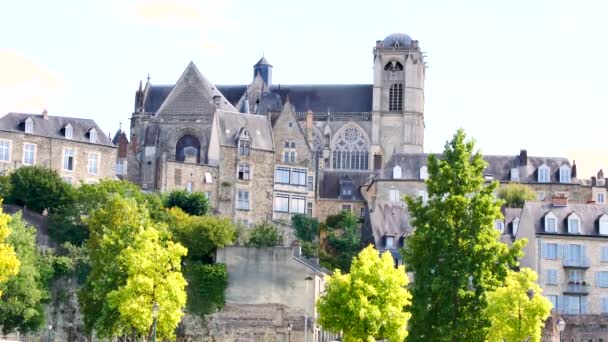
{"x":192,"y":203}
{"x":307,"y":228}
{"x":343,"y":239}
{"x":39,"y":188}
{"x":515,"y":195}
{"x":206,"y":286}
{"x":265,"y":235}
{"x":5,"y":188}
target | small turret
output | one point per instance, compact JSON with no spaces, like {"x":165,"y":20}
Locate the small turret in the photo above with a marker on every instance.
{"x":264,"y":68}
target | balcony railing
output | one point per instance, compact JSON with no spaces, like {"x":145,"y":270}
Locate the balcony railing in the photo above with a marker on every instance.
{"x":577,"y":263}
{"x":577,"y":289}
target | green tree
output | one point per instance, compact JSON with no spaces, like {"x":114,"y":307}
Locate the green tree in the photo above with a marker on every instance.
{"x":201,"y":235}
{"x":306,"y":227}
{"x":39,"y":188}
{"x":6,"y":188}
{"x":454,"y":251}
{"x":265,"y":235}
{"x":194,"y":203}
{"x":517,"y":310}
{"x":369,"y":303}
{"x":23,"y":296}
{"x":206,"y":286}
{"x":133,"y":263}
{"x":515,"y":195}
{"x":9,"y":264}
{"x":344,"y":240}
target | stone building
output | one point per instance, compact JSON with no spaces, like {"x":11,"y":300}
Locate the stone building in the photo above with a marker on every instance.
{"x":76,"y":148}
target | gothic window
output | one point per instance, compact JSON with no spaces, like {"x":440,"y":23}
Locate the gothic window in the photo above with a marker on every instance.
{"x":351,"y":150}
{"x":187,"y":145}
{"x":395,"y":97}
{"x":393,"y":66}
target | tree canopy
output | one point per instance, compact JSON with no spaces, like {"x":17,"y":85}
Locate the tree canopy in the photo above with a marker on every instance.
{"x":369,"y":303}
{"x":9,"y":264}
{"x":39,"y":188}
{"x":194,"y":203}
{"x":343,"y":240}
{"x":454,"y":251}
{"x":515,"y":195}
{"x":517,"y":310}
{"x":265,"y":235}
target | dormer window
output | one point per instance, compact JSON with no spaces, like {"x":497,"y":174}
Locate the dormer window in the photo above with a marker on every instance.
{"x":564,"y":174}
{"x":244,"y":142}
{"x":603,"y":223}
{"x":397,"y":172}
{"x":499,"y":225}
{"x":515,"y":226}
{"x":574,"y":224}
{"x":69,"y":131}
{"x":93,"y":136}
{"x":389,"y":242}
{"x":346,"y":189}
{"x":550,"y":223}
{"x":424,"y":173}
{"x":29,"y":125}
{"x":543,"y":174}
{"x":514,"y":174}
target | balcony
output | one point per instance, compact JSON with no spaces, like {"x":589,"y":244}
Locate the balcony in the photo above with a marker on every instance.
{"x":581,"y":289}
{"x":576,"y":263}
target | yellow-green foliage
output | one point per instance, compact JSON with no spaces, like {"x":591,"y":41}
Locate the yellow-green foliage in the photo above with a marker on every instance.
{"x":9,"y":264}
{"x":369,"y":303}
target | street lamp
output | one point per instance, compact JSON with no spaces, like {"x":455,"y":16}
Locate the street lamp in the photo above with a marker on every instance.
{"x":561,"y":325}
{"x":155,"y":308}
{"x":308,"y":279}
{"x":50,"y":330}
{"x":289,"y":327}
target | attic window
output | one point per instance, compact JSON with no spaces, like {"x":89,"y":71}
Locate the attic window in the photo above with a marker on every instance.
{"x":515,"y":226}
{"x":604,"y":224}
{"x":550,"y":223}
{"x":424,"y":173}
{"x":514,"y":174}
{"x":93,"y":135}
{"x":564,"y":174}
{"x":389,"y":241}
{"x":543,"y":174}
{"x":397,"y":172}
{"x":69,"y":131}
{"x":574,"y":224}
{"x":29,"y":125}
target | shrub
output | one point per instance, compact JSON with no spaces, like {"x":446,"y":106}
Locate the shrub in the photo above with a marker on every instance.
{"x":515,"y":195}
{"x":206,"y":286}
{"x":39,"y":188}
{"x":265,"y":235}
{"x":306,"y":228}
{"x":194,"y":203}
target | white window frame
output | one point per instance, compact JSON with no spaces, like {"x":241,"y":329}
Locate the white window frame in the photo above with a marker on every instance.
{"x":246,"y":171}
{"x":397,"y":172}
{"x":424,"y":172}
{"x":309,"y":208}
{"x":564,"y":174}
{"x":69,"y":131}
{"x":554,"y":248}
{"x":552,"y":277}
{"x":601,"y":198}
{"x":603,"y":223}
{"x":515,"y":224}
{"x":9,"y":146}
{"x":25,"y":145}
{"x":297,"y":205}
{"x":93,"y":167}
{"x":281,"y":203}
{"x":514,"y":174}
{"x":68,"y":152}
{"x":93,"y":136}
{"x":310,"y":183}
{"x":29,"y":125}
{"x":298,"y":177}
{"x":243,"y":200}
{"x":544,"y":174}
{"x":394,"y":195}
{"x":424,"y":195}
{"x":389,"y":241}
{"x":499,"y":225}
{"x":280,"y":173}
{"x":574,"y":224}
{"x":550,"y":216}
{"x":208,"y":178}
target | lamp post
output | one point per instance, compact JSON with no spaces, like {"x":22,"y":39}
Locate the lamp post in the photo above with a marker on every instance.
{"x":155,"y":308}
{"x":289,"y":327}
{"x":561,"y":325}
{"x":308,"y":279}
{"x":50,"y":330}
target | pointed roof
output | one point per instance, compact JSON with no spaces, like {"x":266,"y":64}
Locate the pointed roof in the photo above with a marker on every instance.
{"x":263,"y":61}
{"x":193,"y":95}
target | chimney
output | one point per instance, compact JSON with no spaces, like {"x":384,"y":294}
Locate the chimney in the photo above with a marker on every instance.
{"x":523,"y":158}
{"x":45,"y":114}
{"x":573,"y":170}
{"x":217,"y":100}
{"x":600,"y":174}
{"x":309,"y":126}
{"x":560,"y":200}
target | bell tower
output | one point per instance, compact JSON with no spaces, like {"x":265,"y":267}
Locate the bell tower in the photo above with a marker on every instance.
{"x":398,"y":98}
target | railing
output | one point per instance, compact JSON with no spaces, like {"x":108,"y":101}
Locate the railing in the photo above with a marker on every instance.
{"x":577,"y":263}
{"x":340,"y":116}
{"x":581,"y":289}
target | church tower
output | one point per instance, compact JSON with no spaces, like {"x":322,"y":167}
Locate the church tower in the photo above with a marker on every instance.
{"x":398,"y":98}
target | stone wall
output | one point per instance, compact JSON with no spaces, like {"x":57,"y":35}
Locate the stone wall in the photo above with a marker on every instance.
{"x":176,"y":175}
{"x":326,"y":207}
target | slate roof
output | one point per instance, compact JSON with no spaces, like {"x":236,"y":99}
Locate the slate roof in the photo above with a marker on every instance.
{"x":53,"y":127}
{"x":499,"y":167}
{"x":329,"y":187}
{"x":230,"y":123}
{"x":155,"y":97}
{"x":533,"y":214}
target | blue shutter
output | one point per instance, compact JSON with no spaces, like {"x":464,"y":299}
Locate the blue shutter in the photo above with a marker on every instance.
{"x":583,"y":255}
{"x":560,"y":253}
{"x":566,"y":304}
{"x":560,"y":303}
{"x":583,"y":305}
{"x":566,"y":252}
{"x":597,"y":279}
{"x":543,"y":250}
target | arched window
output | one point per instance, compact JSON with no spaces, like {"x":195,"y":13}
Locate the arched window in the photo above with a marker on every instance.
{"x":351,"y":150}
{"x":397,"y":172}
{"x":564,"y":174}
{"x":543,"y":174}
{"x":395,"y":97}
{"x":188,"y":145}
{"x":393,"y":66}
{"x":69,"y":131}
{"x":93,"y":135}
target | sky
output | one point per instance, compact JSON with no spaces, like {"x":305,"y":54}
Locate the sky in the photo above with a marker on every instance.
{"x":519,"y":74}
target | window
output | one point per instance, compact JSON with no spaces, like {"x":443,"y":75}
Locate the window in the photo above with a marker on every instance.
{"x":297,"y":205}
{"x":351,"y":149}
{"x":553,"y":300}
{"x":543,"y":174}
{"x":5,"y":150}
{"x":208,"y":195}
{"x":281,"y":175}
{"x":310,"y":185}
{"x":347,"y":207}
{"x":550,"y":223}
{"x":362,"y":214}
{"x":604,"y":254}
{"x":389,"y":241}
{"x":575,"y":276}
{"x":499,"y":225}
{"x":289,"y":156}
{"x":29,"y":125}
{"x":423,"y":195}
{"x":298,"y":177}
{"x":93,"y":161}
{"x":281,"y":203}
{"x":346,"y":189}
{"x":514,"y":175}
{"x":244,"y":147}
{"x":121,"y":167}
{"x":541,"y":195}
{"x":551,"y":277}
{"x":601,"y":279}
{"x":208,"y":178}
{"x":601,"y":198}
{"x":395,"y":97}
{"x":242,"y":202}
{"x":93,"y":135}
{"x":397,"y":172}
{"x":549,"y":251}
{"x":574,"y":255}
{"x":575,"y":305}
{"x":69,"y":131}
{"x":309,"y":208}
{"x":573,"y":224}
{"x":394,"y":195}
{"x":29,"y":154}
{"x":424,"y":173}
{"x":244,"y":173}
{"x":68,"y":160}
{"x":515,"y":226}
{"x":564,"y":174}
{"x":189,"y":186}
{"x":604,"y":224}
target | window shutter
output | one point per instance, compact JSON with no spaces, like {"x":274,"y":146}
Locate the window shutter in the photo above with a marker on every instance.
{"x":583,"y":304}
{"x":560,"y":252}
{"x":566,"y":304}
{"x":583,"y":254}
{"x":566,"y":252}
{"x":543,"y":248}
{"x":560,"y":303}
{"x":597,"y":279}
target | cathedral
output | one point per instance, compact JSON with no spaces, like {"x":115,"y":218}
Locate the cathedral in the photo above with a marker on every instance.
{"x":263,"y":151}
